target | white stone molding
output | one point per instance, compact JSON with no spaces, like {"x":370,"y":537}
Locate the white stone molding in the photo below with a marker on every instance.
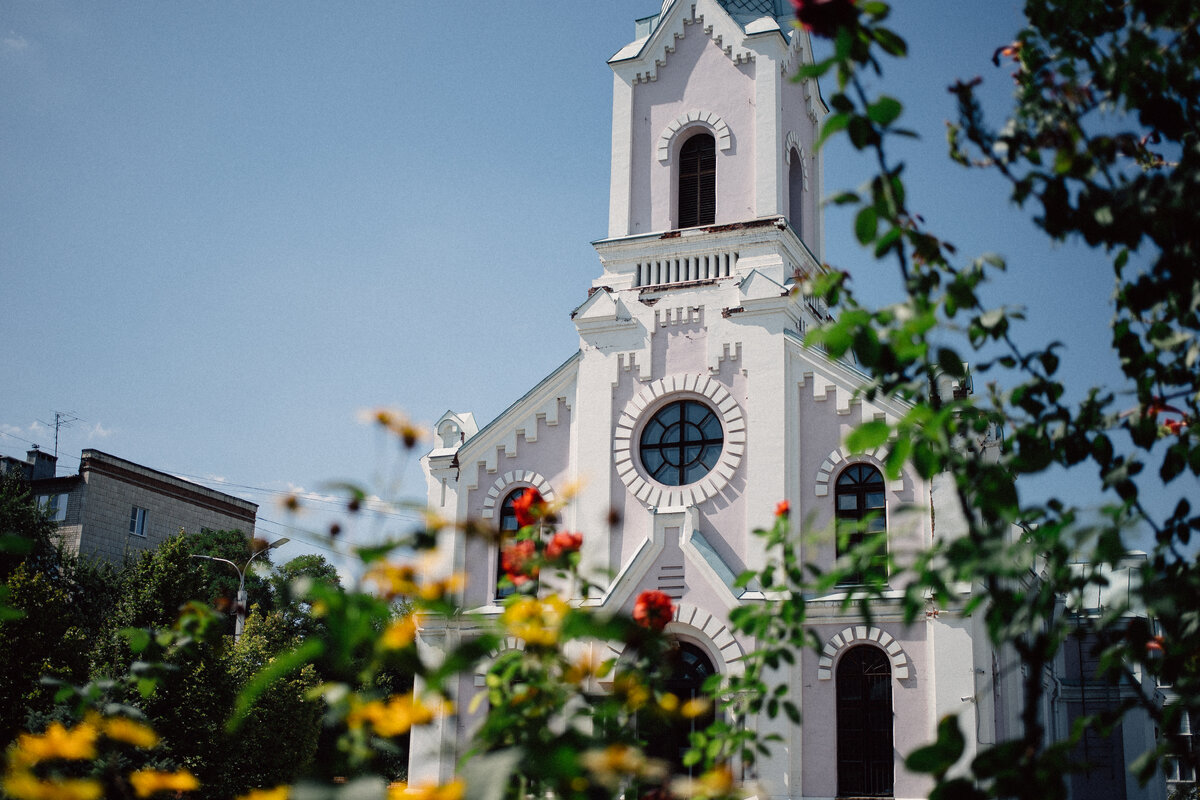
{"x":839,"y":458}
{"x":646,"y":402}
{"x":793,"y":144}
{"x":509,"y":481}
{"x":692,"y":622}
{"x":861,"y":634}
{"x":692,"y":119}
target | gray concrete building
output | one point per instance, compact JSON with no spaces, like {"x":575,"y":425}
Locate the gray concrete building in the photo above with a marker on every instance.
{"x":114,"y":509}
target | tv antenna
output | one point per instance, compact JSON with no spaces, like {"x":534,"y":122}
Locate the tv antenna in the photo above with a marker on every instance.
{"x":62,"y":419}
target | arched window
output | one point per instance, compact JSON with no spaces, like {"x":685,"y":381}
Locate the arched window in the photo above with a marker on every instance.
{"x":796,"y":191}
{"x":508,"y":532}
{"x":861,"y":511}
{"x":864,"y":723}
{"x":698,"y":181}
{"x":670,"y":738}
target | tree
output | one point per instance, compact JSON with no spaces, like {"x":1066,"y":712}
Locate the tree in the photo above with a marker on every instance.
{"x":1103,"y":137}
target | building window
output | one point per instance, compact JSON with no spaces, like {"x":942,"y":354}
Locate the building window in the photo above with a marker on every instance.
{"x":1180,"y":767}
{"x":137,"y":521}
{"x":681,"y":443}
{"x":861,"y":512}
{"x":669,"y":737}
{"x":864,"y":723}
{"x":54,"y":506}
{"x":796,"y":191}
{"x":508,"y":534}
{"x":698,"y":181}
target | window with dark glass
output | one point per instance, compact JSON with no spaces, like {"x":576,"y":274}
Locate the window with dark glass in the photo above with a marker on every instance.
{"x":669,"y":738}
{"x":698,"y":181}
{"x":508,"y":533}
{"x":681,"y":443}
{"x":861,"y":512}
{"x":864,"y":723}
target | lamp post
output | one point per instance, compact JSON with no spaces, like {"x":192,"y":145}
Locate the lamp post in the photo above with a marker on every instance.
{"x":241,"y":571}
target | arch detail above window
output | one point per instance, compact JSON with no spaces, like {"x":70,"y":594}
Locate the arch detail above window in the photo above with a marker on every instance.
{"x":720,"y":131}
{"x":862,"y":634}
{"x":792,"y":148}
{"x":643,"y":405}
{"x":692,"y":622}
{"x":839,"y":457}
{"x":508,"y":481}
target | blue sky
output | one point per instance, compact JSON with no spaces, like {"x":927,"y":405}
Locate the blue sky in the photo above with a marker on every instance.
{"x":226,"y":228}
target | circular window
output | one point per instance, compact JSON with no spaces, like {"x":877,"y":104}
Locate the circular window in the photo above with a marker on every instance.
{"x":681,"y":443}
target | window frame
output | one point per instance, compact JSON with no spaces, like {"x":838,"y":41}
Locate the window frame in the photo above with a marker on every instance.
{"x":861,"y":481}
{"x":137,"y":521}
{"x":711,"y":447}
{"x":507,"y":515}
{"x":54,"y":505}
{"x":697,"y":181}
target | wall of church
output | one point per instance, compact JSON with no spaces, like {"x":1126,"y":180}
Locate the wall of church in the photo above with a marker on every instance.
{"x":697,"y":76}
{"x":800,"y":128}
{"x":547,"y":457}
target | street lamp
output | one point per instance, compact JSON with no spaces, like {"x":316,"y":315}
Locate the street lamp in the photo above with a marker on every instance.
{"x":241,"y":571}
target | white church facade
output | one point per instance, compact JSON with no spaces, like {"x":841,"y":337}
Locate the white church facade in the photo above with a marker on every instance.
{"x":692,"y":407}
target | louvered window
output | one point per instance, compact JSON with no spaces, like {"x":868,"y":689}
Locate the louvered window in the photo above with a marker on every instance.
{"x":698,"y":181}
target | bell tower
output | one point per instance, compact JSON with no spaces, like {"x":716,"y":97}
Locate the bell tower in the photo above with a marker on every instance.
{"x":708,"y":127}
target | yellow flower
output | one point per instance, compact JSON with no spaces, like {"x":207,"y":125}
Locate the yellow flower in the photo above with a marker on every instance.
{"x":395,"y":716}
{"x":75,"y":744}
{"x":668,"y":703}
{"x":278,"y":793}
{"x":396,"y":422}
{"x":123,"y":729}
{"x":393,"y":579}
{"x":149,"y":781}
{"x":717,"y":782}
{"x":536,"y":621}
{"x":400,"y":633}
{"x":454,"y":790}
{"x":631,"y":690}
{"x":616,"y":762}
{"x":696,"y":707}
{"x":24,"y":785}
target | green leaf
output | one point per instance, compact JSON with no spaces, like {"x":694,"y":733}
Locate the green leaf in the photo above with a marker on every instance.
{"x":866,"y":224}
{"x":950,"y":363}
{"x":884,"y":111}
{"x":833,"y":124}
{"x":868,"y":436}
{"x":937,"y":758}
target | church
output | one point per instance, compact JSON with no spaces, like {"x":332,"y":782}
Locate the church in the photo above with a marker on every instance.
{"x":692,"y":407}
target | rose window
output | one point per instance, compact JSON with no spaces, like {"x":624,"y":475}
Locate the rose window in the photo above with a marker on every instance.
{"x":681,"y":443}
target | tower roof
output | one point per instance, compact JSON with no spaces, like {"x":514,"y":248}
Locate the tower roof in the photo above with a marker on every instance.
{"x":747,"y":11}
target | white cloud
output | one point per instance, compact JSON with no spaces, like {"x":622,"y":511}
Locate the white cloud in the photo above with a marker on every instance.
{"x":98,"y":431}
{"x":14,"y":41}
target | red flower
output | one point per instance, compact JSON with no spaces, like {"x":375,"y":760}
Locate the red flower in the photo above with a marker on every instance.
{"x":516,"y":559}
{"x":782,"y":508}
{"x":563,"y":543}
{"x":529,"y":507}
{"x":824,"y":17}
{"x":1175,"y":426}
{"x":653,"y":610}
{"x":1154,"y":647}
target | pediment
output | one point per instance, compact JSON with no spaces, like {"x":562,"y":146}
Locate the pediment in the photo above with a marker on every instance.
{"x":602,"y":307}
{"x":645,"y":56}
{"x":757,"y":286}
